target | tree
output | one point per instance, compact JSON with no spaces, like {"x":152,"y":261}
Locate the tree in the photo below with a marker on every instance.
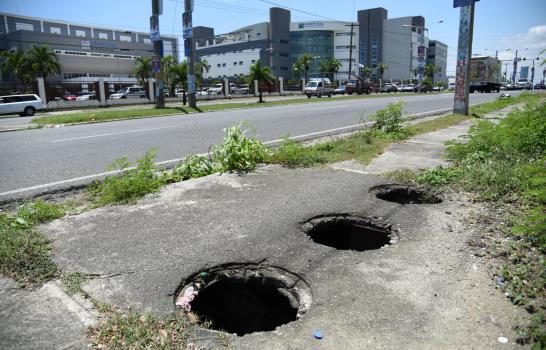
{"x":143,"y":68}
{"x":179,"y":74}
{"x":261,"y":74}
{"x":365,"y":71}
{"x":304,"y":62}
{"x":330,"y":66}
{"x":166,"y":63}
{"x":203,"y":67}
{"x":43,"y":61}
{"x":16,"y":63}
{"x":430,"y":69}
{"x":381,"y":68}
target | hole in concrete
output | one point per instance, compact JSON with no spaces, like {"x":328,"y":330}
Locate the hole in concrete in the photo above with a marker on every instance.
{"x":405,"y":194}
{"x":347,"y":232}
{"x":243,"y":299}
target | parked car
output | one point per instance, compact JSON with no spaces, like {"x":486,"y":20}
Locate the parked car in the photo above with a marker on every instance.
{"x":217,"y":89}
{"x":179,"y":92}
{"x":408,"y":88}
{"x":540,"y":86}
{"x":510,"y":86}
{"x":388,"y":88}
{"x":340,"y":90}
{"x":318,"y":87}
{"x":24,"y":105}
{"x":438,"y":88}
{"x":243,"y":89}
{"x":130,"y":92}
{"x":84,"y":96}
{"x":523,"y":84}
{"x":69,"y":97}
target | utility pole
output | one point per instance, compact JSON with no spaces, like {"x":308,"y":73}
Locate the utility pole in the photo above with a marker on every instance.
{"x":464,"y":55}
{"x":160,"y":97}
{"x":350,"y":52}
{"x":515,"y":68}
{"x":190,"y":43}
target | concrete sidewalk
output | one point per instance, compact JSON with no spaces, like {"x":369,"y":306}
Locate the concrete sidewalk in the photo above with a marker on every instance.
{"x":426,"y":290}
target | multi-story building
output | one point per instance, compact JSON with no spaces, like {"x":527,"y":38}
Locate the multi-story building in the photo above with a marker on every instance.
{"x":399,"y":43}
{"x":437,"y":56}
{"x":84,"y":52}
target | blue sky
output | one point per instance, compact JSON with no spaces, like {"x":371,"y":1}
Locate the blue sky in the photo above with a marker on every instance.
{"x":499,"y":24}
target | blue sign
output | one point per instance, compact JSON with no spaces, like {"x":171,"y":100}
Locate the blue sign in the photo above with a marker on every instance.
{"x":461,"y":3}
{"x":154,"y":28}
{"x":187,"y":47}
{"x":156,"y":65}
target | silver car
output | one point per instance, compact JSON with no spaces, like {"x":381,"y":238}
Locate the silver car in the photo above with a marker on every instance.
{"x":24,"y":105}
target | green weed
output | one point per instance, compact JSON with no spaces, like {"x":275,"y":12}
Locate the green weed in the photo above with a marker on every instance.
{"x":192,"y":167}
{"x":131,"y":184}
{"x":72,"y":282}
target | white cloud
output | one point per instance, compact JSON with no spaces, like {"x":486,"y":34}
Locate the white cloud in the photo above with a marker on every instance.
{"x":529,"y":44}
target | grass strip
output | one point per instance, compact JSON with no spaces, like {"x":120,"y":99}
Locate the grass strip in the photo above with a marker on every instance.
{"x":100,"y":116}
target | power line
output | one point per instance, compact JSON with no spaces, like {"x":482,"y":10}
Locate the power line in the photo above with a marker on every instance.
{"x":305,"y":12}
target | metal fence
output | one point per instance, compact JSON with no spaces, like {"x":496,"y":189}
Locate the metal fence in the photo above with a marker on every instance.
{"x":15,"y":88}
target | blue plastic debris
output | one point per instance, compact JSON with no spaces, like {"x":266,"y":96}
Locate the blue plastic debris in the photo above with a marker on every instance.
{"x":317,"y":334}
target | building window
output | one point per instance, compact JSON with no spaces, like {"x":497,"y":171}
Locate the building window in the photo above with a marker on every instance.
{"x":55,"y":30}
{"x":234,"y":63}
{"x":223,"y":64}
{"x":125,"y":38}
{"x":80,"y":33}
{"x":253,"y":61}
{"x":147,"y":41}
{"x":103,"y":36}
{"x":24,"y":26}
{"x":218,"y":65}
{"x":240,"y":63}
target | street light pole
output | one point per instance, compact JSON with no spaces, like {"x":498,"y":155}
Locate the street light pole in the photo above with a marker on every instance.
{"x":160,"y":98}
{"x":515,"y":68}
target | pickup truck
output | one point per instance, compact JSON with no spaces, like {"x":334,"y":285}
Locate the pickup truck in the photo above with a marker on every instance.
{"x":318,"y":87}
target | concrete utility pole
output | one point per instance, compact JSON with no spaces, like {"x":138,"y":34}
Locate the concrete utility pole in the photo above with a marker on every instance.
{"x":515,"y":68}
{"x":192,"y":101}
{"x":350,"y":52}
{"x":464,"y":55}
{"x":160,"y":97}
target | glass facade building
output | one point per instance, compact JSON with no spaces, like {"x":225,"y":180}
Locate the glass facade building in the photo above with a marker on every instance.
{"x":317,"y":43}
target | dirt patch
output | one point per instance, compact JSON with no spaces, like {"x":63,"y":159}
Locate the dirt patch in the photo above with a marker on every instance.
{"x":405,"y":194}
{"x":347,"y":232}
{"x":245,"y":298}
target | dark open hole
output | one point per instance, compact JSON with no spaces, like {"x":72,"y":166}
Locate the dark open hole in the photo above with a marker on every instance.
{"x":349,"y":233}
{"x":244,"y":306}
{"x":405,"y":194}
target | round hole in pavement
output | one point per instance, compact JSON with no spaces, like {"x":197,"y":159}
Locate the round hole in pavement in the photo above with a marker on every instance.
{"x":346,"y":232}
{"x":405,"y":194}
{"x":245,"y":298}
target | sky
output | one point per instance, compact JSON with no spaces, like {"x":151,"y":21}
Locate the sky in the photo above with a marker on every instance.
{"x":500,"y":25}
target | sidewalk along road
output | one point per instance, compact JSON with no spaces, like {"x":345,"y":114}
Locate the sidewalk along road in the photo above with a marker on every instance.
{"x":35,"y":161}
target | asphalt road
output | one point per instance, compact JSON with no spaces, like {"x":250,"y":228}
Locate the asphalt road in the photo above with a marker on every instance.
{"x":35,"y":160}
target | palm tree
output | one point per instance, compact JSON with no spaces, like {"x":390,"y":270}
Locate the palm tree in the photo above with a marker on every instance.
{"x":430,"y":69}
{"x":297,"y":69}
{"x":179,"y":74}
{"x":305,"y":63}
{"x":203,"y":67}
{"x":261,"y":74}
{"x":166,"y":63}
{"x":143,"y":68}
{"x":43,"y":61}
{"x":330,"y":66}
{"x":381,"y":68}
{"x":366,"y":71}
{"x":16,"y":63}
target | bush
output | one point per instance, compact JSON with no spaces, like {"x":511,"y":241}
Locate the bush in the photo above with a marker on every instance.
{"x":238,"y":152}
{"x":389,"y":121}
{"x":293,"y":154}
{"x":131,"y":184}
{"x":193,"y":166}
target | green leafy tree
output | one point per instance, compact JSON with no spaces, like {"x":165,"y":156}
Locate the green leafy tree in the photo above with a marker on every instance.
{"x":381,"y":68}
{"x":261,"y":74}
{"x":330,"y":66}
{"x":166,"y":63}
{"x":365,"y":71}
{"x":16,"y":63}
{"x":304,"y":62}
{"x":179,"y":74}
{"x":204,"y":67}
{"x":430,"y":69}
{"x":143,"y":68}
{"x":43,"y":61}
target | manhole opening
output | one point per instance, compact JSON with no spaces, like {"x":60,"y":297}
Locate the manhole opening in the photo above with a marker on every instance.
{"x":349,"y":233}
{"x":245,"y":300}
{"x":403,"y":194}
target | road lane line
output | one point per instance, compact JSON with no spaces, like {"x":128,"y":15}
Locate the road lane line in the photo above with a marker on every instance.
{"x":330,"y":107}
{"x":111,"y":133}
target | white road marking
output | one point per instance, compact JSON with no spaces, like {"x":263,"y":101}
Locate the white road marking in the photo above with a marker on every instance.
{"x":330,"y":107}
{"x":111,"y":133}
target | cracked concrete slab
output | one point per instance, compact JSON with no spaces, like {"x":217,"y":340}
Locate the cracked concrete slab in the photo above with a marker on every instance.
{"x":43,"y":318}
{"x":424,"y":291}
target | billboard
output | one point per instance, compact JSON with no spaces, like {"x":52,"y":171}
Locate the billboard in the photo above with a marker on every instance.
{"x":187,"y":30}
{"x":154,"y":28}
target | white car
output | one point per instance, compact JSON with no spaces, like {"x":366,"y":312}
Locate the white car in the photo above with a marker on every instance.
{"x":24,"y":105}
{"x":131,"y":92}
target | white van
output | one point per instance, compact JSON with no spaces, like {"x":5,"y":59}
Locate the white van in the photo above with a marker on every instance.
{"x":24,"y":105}
{"x":318,"y":87}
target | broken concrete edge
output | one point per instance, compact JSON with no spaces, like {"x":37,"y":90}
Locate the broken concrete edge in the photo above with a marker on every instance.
{"x":66,"y":186}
